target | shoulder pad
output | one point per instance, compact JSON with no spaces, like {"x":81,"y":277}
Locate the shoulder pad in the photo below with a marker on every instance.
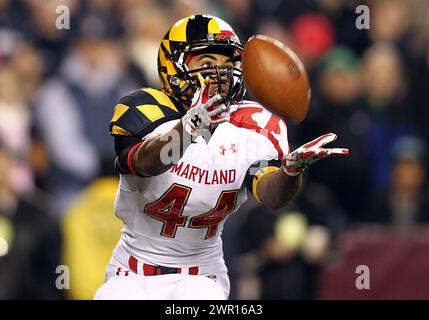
{"x":141,"y":111}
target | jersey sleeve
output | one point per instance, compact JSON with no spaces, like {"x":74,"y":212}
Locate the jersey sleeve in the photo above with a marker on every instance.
{"x":270,"y":137}
{"x":136,"y":117}
{"x":271,"y":131}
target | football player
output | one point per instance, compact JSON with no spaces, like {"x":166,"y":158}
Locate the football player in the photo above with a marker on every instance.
{"x":187,"y":154}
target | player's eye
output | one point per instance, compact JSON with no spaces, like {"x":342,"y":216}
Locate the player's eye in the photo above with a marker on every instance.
{"x":207,"y":64}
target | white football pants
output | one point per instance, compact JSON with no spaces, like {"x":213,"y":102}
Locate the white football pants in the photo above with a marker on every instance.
{"x":124,"y":284}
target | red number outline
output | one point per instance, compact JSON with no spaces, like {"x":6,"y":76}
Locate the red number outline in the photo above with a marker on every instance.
{"x":161,"y":210}
{"x":217,"y":214}
{"x":156,"y":209}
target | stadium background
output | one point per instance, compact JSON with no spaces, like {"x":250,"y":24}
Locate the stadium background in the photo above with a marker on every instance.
{"x":371,"y":87}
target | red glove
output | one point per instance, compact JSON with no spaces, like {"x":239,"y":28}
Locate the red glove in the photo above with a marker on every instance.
{"x":297,"y":161}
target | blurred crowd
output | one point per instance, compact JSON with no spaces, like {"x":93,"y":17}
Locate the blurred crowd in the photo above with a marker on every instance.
{"x":58,"y":87}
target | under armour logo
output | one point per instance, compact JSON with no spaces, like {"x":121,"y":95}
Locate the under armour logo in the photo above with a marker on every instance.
{"x":196,"y":121}
{"x":213,"y":277}
{"x":122,"y":272}
{"x":223,"y":149}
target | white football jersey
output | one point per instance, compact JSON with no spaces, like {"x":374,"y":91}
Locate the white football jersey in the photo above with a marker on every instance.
{"x":176,"y":219}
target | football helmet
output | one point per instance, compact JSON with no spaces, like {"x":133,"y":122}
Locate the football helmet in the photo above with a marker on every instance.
{"x":196,"y":35}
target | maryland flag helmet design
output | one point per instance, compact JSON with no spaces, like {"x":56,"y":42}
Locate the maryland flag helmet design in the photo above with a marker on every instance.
{"x":196,"y":35}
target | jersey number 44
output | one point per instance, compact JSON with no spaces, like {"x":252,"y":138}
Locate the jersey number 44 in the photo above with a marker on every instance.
{"x":169,"y":208}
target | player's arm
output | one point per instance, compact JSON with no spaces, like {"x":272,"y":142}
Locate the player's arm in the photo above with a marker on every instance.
{"x":277,"y":187}
{"x":142,"y":157}
{"x":271,"y":186}
{"x":148,"y":160}
{"x":142,"y":153}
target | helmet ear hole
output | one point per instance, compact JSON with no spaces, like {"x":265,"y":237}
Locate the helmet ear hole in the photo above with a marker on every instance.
{"x":175,"y":81}
{"x":179,"y":84}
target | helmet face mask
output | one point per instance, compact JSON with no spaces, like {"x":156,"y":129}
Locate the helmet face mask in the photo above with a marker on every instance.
{"x":174,"y":73}
{"x":221,"y":75}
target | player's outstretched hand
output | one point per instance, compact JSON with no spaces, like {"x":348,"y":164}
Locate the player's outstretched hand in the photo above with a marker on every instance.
{"x":205,"y":112}
{"x":297,"y":161}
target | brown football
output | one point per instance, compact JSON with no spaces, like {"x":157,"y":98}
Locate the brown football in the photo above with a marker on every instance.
{"x":276,"y":77}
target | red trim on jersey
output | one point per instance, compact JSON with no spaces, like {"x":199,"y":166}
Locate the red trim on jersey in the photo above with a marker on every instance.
{"x":148,"y":270}
{"x":132,"y":263}
{"x":193,"y":271}
{"x":130,"y":156}
{"x":259,"y":130}
{"x":239,"y":117}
